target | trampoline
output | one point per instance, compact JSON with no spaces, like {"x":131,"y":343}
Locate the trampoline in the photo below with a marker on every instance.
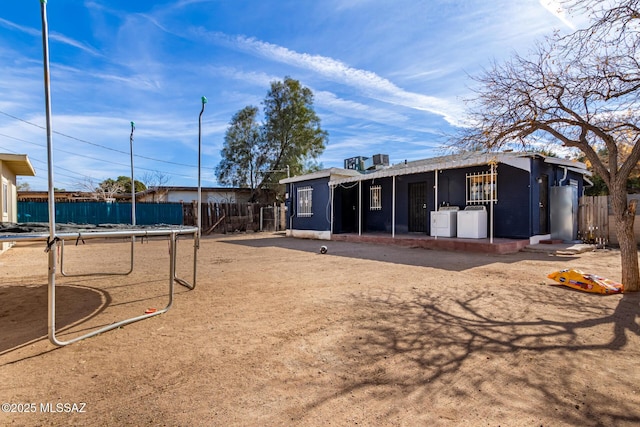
{"x":55,"y":235}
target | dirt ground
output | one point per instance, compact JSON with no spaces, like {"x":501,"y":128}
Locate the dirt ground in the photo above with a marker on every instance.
{"x":276,"y":333}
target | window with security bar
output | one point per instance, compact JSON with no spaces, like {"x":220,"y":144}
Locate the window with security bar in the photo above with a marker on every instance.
{"x":375,"y":201}
{"x":305,"y":198}
{"x":482,"y":187}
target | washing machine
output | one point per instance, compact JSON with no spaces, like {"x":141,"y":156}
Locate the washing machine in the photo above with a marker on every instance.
{"x":444,"y":222}
{"x":472,"y":222}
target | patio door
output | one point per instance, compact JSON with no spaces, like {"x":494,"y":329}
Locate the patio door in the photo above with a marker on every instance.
{"x":418,"y":212}
{"x":349,"y":210}
{"x":543,"y":204}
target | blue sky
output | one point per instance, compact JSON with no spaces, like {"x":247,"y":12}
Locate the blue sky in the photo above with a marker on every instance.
{"x":387,"y":76}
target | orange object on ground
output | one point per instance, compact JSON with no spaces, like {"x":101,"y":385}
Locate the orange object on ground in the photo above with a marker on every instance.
{"x":150,"y":310}
{"x":586,"y":282}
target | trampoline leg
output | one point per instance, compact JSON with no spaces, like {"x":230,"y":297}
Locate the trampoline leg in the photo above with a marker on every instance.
{"x":183,"y":282}
{"x":51,"y":280}
{"x":52,"y":300}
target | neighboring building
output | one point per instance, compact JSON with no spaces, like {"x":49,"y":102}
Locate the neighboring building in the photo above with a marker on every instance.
{"x":156,"y":194}
{"x":190,"y":194}
{"x":11,"y":166}
{"x":523,"y":196}
{"x":60,"y":196}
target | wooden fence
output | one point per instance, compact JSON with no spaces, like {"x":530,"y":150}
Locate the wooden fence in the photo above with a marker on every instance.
{"x":595,"y":221}
{"x":230,"y":217}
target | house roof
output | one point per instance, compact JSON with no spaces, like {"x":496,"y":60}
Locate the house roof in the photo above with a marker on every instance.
{"x":172,"y":188}
{"x":517,"y":160}
{"x":18,"y":163}
{"x":330,"y":172}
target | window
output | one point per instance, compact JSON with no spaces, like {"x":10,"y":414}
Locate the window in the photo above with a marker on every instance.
{"x":305,"y":197}
{"x":482,"y":187}
{"x":5,"y":198}
{"x":375,"y":201}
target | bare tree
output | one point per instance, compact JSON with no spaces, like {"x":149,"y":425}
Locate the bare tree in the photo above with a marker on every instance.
{"x":23,"y":186}
{"x":581,"y":91}
{"x":104,"y":190}
{"x":155,"y":179}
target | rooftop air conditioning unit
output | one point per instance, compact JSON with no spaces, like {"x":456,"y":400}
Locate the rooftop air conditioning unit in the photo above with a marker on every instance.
{"x":381,"y":159}
{"x":355,"y":163}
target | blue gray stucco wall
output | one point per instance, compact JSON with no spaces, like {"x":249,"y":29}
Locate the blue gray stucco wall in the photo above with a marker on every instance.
{"x":320,"y":220}
{"x":516,"y":213}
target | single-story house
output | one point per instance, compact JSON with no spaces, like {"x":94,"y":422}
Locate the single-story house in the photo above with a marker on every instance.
{"x":11,"y":166}
{"x":508,"y":195}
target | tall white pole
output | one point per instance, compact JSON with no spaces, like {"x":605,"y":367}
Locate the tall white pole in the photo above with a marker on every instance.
{"x":52,"y":252}
{"x":133,"y":182}
{"x":204,"y":101}
{"x":47,"y":100}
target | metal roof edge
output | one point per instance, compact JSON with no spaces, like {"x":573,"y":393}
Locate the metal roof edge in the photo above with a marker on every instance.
{"x":324,"y":173}
{"x":520,"y":160}
{"x":440,"y":163}
{"x":565,"y":162}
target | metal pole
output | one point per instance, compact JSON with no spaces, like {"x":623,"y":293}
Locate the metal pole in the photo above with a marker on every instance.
{"x":196,"y":244}
{"x":52,"y":252}
{"x":133,"y":182}
{"x":261,"y":218}
{"x":204,"y":101}
{"x":47,"y":99}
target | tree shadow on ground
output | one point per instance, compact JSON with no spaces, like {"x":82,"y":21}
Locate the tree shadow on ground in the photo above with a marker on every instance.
{"x":519,"y":358}
{"x":420,"y":257}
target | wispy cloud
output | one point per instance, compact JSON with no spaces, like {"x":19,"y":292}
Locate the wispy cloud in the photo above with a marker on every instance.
{"x":558,"y":11}
{"x":350,"y":4}
{"x":13,"y":26}
{"x":52,"y":36}
{"x":357,"y":110}
{"x":369,"y":83}
{"x":258,"y":78}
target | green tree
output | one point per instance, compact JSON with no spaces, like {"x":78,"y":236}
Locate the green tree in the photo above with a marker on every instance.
{"x":121,"y":185}
{"x":311,"y":166}
{"x":23,"y":186}
{"x":242,"y":155}
{"x":292,"y":130}
{"x":599,"y":187}
{"x":580,"y":91}
{"x":289,"y":137}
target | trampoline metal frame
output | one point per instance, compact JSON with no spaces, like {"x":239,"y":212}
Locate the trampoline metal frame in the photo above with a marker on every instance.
{"x":172,"y":233}
{"x":81,"y":237}
{"x":57,"y":239}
